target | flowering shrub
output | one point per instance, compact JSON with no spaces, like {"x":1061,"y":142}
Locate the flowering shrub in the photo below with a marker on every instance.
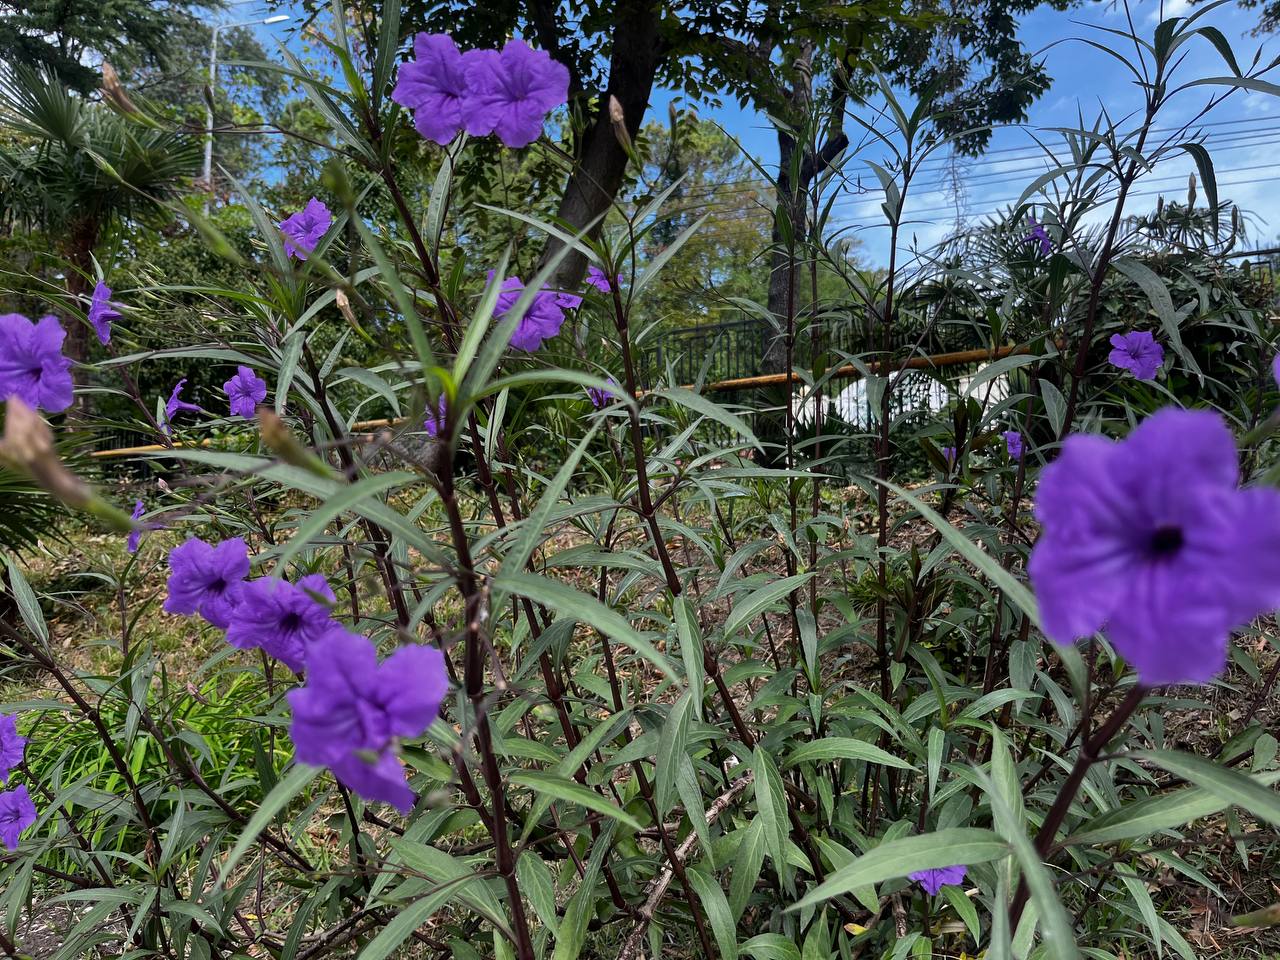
{"x":547,"y":663}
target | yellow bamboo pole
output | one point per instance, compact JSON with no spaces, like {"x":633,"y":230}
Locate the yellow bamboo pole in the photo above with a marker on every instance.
{"x":875,"y":366}
{"x":740,"y":383}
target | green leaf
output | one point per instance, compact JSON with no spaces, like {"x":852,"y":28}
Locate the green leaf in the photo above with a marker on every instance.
{"x":746,"y":867}
{"x":1204,"y":164}
{"x":691,"y":649}
{"x":1055,"y":924}
{"x":716,"y":907}
{"x":756,"y":602}
{"x":571,"y":792}
{"x":964,"y":907}
{"x":844,"y":748}
{"x":713,"y":411}
{"x":770,"y":946}
{"x":581,"y":906}
{"x":673,"y":746}
{"x":1138,"y":891}
{"x":345,"y":499}
{"x":897,"y":858}
{"x":771,"y":807}
{"x":440,"y":867}
{"x":1223,"y":782}
{"x":539,"y":886}
{"x":1153,"y":814}
{"x":290,"y":785}
{"x":534,"y":527}
{"x":1157,"y":292}
{"x":28,"y":606}
{"x":569,"y":602}
{"x":1018,"y":594}
{"x":288,"y":367}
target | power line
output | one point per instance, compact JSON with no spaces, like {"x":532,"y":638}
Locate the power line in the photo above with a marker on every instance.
{"x":1132,"y":196}
{"x":875,"y":201}
{"x":1227,"y":143}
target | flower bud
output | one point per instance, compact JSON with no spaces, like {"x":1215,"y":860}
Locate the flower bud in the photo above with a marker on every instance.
{"x":277,"y":435}
{"x":344,"y":306}
{"x":113,"y":91}
{"x":618,"y":120}
{"x":28,"y":448}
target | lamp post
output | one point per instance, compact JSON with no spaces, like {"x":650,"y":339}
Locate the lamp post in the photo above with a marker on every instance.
{"x":213,"y":83}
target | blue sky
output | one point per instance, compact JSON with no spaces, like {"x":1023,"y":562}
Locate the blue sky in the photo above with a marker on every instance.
{"x":1243,"y":132}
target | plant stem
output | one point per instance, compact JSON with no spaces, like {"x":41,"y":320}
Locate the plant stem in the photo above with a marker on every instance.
{"x":1089,"y":752}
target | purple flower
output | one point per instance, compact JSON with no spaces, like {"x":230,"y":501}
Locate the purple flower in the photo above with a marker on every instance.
{"x":1039,"y":235}
{"x":102,"y":312}
{"x":568,"y":301}
{"x":510,"y":93}
{"x":599,"y":396}
{"x":135,"y":535}
{"x":949,"y":454}
{"x":282,"y":618}
{"x":541,"y":321}
{"x":11,"y":745}
{"x":600,"y":280}
{"x":1151,"y":540}
{"x":17,"y":812}
{"x":434,"y":421}
{"x":1138,"y":353}
{"x":1013,"y":443}
{"x":352,"y":709}
{"x":245,"y":391}
{"x":205,"y":579}
{"x":32,"y":366}
{"x":176,"y":404}
{"x":934,"y":880}
{"x":434,"y":87}
{"x":1275,"y":368}
{"x":304,"y":229}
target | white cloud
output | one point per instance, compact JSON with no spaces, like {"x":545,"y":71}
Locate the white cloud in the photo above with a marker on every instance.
{"x":1172,"y":8}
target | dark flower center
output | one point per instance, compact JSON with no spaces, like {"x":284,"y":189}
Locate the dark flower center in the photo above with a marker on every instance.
{"x":1166,"y":541}
{"x":218,"y":586}
{"x":290,"y":621}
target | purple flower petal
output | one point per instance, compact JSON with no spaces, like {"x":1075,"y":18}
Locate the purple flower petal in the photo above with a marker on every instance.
{"x":12,"y":746}
{"x":599,"y":396}
{"x":542,"y":319}
{"x":205,"y":579}
{"x":17,"y":812}
{"x":135,"y":535}
{"x":306,"y":228}
{"x":434,"y":422}
{"x":32,"y":367}
{"x":1138,"y":353}
{"x":1013,"y":443}
{"x":245,"y":391}
{"x":352,"y":710}
{"x":600,"y":280}
{"x":510,"y":93}
{"x":283,"y":618}
{"x":434,"y":87}
{"x":176,"y":404}
{"x":102,"y":312}
{"x":1151,"y":540}
{"x":934,"y":880}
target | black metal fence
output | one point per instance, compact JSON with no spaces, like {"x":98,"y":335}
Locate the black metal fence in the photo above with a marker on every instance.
{"x":735,"y":349}
{"x":1262,"y":264}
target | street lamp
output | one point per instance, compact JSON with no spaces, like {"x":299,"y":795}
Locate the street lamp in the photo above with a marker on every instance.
{"x":213,"y":83}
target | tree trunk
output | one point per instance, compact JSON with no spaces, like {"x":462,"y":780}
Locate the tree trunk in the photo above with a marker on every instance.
{"x":601,"y":161}
{"x":81,"y":241}
{"x":784,"y":270}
